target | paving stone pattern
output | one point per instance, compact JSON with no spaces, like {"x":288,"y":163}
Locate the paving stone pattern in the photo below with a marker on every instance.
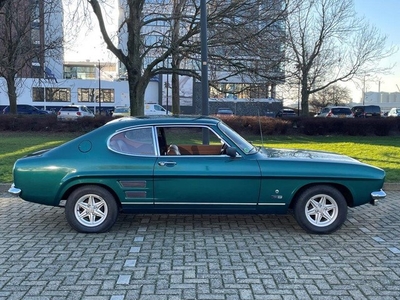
{"x":168,"y":257}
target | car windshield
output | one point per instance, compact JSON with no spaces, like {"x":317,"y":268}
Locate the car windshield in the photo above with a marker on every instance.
{"x":158,"y":107}
{"x":121,"y":109}
{"x":244,"y":145}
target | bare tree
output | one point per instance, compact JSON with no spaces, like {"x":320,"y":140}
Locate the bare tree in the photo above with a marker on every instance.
{"x":328,"y":43}
{"x":23,"y":44}
{"x":151,"y":49}
{"x":333,"y":95}
{"x":2,"y":2}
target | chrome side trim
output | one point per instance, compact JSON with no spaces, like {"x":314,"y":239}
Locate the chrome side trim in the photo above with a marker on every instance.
{"x":13,"y":190}
{"x":378,"y":195}
{"x":137,"y":203}
{"x":202,"y":203}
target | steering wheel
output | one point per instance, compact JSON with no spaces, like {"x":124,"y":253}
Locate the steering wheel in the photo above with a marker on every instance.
{"x":223,"y":148}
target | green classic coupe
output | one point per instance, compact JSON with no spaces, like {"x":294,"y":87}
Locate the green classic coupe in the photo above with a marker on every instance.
{"x":191,"y":164}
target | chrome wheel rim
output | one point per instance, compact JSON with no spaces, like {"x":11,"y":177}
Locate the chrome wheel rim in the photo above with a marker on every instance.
{"x":321,"y":210}
{"x":91,"y":210}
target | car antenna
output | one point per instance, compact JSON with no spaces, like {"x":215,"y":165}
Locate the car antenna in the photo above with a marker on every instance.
{"x":259,"y":124}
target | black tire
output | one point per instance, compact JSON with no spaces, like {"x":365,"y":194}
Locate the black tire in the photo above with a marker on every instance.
{"x":320,"y":209}
{"x":91,"y":209}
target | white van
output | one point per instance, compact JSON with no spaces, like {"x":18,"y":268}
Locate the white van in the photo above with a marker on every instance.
{"x":151,"y":109}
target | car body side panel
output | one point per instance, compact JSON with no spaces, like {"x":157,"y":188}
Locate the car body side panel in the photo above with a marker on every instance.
{"x":282,"y":179}
{"x":207,"y":181}
{"x":39,"y":180}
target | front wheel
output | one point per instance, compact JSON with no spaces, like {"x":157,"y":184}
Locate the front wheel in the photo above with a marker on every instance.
{"x":320,"y":209}
{"x":91,"y":209}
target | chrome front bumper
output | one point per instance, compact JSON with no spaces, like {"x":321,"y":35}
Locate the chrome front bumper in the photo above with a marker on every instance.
{"x":13,"y":190}
{"x":376,"y":196}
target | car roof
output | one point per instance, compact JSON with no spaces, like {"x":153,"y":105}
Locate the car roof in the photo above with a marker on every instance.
{"x":159,"y":120}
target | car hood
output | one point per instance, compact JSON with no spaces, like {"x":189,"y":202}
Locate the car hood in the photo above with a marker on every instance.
{"x":297,"y":154}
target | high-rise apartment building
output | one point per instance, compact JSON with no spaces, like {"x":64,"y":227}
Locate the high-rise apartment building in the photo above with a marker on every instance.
{"x":245,"y":47}
{"x":31,"y":37}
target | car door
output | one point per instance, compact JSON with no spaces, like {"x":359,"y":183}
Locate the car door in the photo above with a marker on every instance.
{"x":134,"y":165}
{"x":203,"y":180}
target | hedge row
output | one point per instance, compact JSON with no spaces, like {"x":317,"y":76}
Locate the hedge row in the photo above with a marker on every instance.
{"x":49,"y":123}
{"x":242,"y":124}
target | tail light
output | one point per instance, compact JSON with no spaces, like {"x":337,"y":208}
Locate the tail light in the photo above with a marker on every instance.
{"x":78,"y":113}
{"x":59,"y":113}
{"x":329,"y":114}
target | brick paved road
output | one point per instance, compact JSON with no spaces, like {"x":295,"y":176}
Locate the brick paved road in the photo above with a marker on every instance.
{"x":198,"y":257}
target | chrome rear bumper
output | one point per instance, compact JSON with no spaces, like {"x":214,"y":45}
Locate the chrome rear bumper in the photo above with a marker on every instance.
{"x":13,"y":190}
{"x":377,"y":196}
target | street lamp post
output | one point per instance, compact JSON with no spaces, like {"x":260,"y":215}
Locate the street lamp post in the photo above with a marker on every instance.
{"x":167,"y":86}
{"x":204,"y":65}
{"x":99,"y":88}
{"x":364,"y":90}
{"x":298,"y":89}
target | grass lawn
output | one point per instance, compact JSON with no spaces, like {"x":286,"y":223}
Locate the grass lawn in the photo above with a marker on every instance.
{"x":14,"y":145}
{"x":383,"y":152}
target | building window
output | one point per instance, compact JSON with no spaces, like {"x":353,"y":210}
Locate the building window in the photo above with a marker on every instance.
{"x":107,"y":95}
{"x":92,"y":95}
{"x":38,"y":94}
{"x":41,"y":94}
{"x":79,"y":72}
{"x":85,"y":95}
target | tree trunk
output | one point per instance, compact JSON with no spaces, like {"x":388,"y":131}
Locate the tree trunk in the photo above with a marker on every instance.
{"x":304,"y":101}
{"x":175,"y":86}
{"x":12,"y":94}
{"x":136,"y":93}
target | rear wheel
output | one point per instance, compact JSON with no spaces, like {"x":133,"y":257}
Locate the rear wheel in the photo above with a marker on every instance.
{"x":320,"y":209}
{"x":91,"y":209}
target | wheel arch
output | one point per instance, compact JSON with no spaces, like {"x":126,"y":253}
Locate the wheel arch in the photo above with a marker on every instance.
{"x":72,"y":188}
{"x":341,"y":188}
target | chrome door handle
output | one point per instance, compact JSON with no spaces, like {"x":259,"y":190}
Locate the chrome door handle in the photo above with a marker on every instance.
{"x":166,"y":163}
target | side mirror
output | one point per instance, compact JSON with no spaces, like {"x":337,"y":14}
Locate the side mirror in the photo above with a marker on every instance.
{"x":231,"y":151}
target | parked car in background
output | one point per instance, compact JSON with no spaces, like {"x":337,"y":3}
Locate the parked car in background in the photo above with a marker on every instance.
{"x":146,"y":164}
{"x":74,"y":112}
{"x":394,"y":112}
{"x":224,"y":112}
{"x":339,"y":112}
{"x":323,"y":112}
{"x":26,"y":109}
{"x":286,"y":113}
{"x":366,"y":111}
{"x":152,"y":109}
{"x":121,"y":111}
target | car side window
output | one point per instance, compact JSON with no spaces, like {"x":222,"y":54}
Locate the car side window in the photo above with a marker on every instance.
{"x":188,"y":140}
{"x":137,"y":141}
